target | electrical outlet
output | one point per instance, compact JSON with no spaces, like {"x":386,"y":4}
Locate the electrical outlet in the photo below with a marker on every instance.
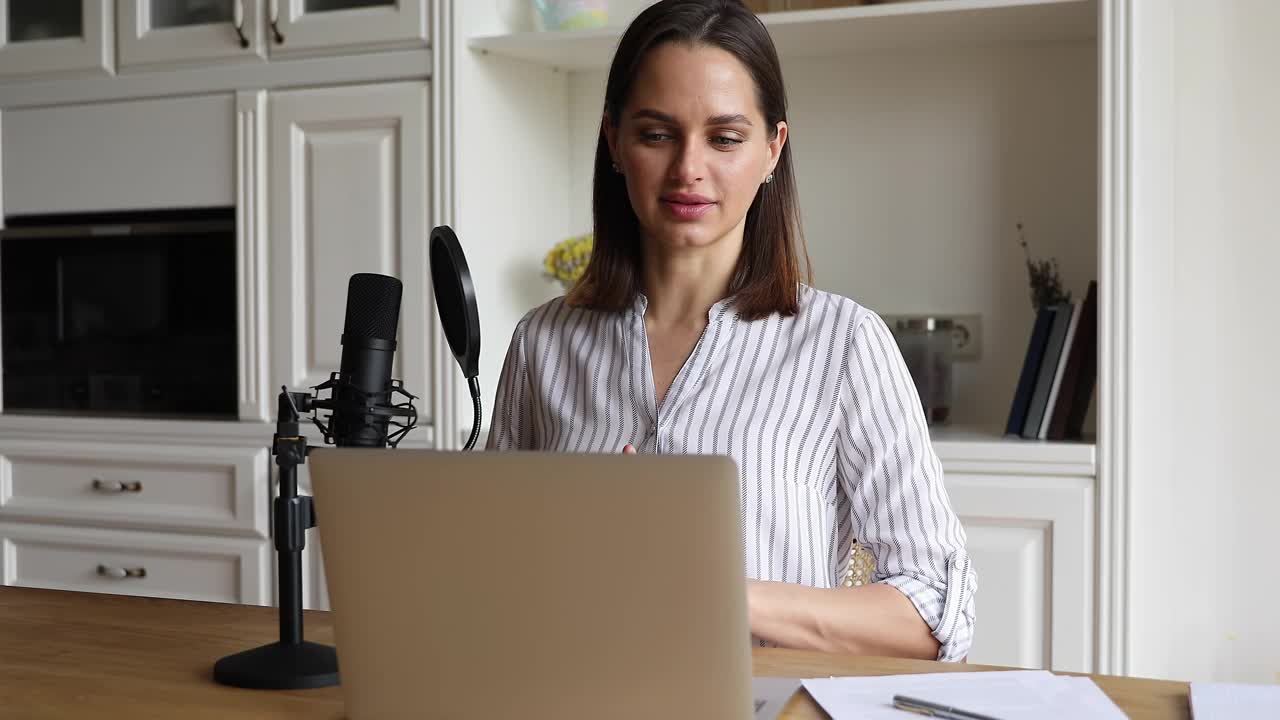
{"x":966,"y":337}
{"x":966,"y":332}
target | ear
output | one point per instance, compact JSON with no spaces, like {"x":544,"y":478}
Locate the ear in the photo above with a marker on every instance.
{"x":774,"y":147}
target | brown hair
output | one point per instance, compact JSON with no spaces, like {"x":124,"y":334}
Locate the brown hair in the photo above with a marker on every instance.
{"x":767,"y":277}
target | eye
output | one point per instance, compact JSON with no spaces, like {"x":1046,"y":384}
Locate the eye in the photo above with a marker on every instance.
{"x":654,"y":136}
{"x":725,"y":141}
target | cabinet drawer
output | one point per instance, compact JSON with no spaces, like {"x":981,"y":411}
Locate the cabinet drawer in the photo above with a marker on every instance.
{"x":135,"y":563}
{"x":217,"y":490}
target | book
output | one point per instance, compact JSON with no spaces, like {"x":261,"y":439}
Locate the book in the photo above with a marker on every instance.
{"x":1084,"y":347}
{"x":1030,"y":369}
{"x":1048,"y":368}
{"x":1088,"y":374}
{"x":1054,"y":390}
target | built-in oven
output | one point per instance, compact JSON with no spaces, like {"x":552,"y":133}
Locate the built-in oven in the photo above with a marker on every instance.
{"x":120,"y":314}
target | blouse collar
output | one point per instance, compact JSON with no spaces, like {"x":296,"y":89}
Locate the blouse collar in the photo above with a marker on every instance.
{"x":718,"y":311}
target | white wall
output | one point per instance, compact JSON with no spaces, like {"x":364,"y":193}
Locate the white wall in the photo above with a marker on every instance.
{"x":1205,"y":492}
{"x":913,"y":170}
{"x":505,"y":224}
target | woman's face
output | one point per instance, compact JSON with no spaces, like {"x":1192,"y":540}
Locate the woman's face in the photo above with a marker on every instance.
{"x":693,"y":145}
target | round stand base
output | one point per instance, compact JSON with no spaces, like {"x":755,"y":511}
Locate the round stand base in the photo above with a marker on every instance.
{"x":280,"y":666}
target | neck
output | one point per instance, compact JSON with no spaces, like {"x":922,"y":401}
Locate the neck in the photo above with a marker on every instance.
{"x":682,"y":284}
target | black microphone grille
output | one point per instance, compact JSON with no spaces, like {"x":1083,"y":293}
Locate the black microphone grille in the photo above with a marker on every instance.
{"x":373,"y":306}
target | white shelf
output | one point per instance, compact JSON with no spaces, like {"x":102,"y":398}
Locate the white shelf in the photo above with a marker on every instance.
{"x":988,"y":451}
{"x":923,"y":24}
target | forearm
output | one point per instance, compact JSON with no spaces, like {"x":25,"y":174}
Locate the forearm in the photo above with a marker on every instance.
{"x":868,"y":620}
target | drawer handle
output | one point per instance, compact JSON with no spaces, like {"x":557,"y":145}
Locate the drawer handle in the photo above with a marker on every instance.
{"x":116,"y":486}
{"x":121,"y":572}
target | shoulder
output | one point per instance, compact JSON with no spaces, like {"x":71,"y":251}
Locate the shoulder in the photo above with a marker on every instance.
{"x":836,"y":313}
{"x":855,"y":333}
{"x":550,"y":322}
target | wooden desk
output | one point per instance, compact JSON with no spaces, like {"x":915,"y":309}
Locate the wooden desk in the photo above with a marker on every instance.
{"x":65,"y":654}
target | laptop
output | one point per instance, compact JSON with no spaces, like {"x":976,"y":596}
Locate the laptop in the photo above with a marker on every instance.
{"x":534,"y":585}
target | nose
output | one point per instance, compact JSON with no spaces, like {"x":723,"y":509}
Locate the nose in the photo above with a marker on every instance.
{"x":689,"y":164}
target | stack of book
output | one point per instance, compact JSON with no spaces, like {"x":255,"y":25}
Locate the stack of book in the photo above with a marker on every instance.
{"x":1059,"y":372}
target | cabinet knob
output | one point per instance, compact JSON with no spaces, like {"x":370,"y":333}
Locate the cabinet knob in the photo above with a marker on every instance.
{"x":121,"y":572}
{"x":116,"y":486}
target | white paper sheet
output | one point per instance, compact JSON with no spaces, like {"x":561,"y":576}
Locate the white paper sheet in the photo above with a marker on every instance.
{"x":1007,"y":695}
{"x":771,"y":695}
{"x":1212,"y":701}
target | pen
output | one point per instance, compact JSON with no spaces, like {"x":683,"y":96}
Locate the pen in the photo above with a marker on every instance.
{"x":924,"y":707}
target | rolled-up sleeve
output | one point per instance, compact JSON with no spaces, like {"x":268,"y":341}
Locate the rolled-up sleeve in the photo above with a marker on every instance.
{"x":512,"y":426}
{"x":894,"y":482}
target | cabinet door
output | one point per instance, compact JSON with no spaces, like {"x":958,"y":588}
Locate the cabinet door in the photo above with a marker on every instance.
{"x":161,"y":32}
{"x":348,"y":194}
{"x":1030,"y":538}
{"x":39,"y":37}
{"x":309,"y":27}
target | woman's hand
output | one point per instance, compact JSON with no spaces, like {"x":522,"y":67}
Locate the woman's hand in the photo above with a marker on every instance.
{"x":628,"y":449}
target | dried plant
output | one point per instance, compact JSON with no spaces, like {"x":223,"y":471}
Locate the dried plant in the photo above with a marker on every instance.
{"x":1046,"y":283}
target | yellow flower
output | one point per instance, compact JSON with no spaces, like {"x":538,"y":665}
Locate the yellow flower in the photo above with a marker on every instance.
{"x":567,"y":260}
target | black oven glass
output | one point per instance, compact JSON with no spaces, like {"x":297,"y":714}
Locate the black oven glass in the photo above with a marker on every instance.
{"x":120,"y":314}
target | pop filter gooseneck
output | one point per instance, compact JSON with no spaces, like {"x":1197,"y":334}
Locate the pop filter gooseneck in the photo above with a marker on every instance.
{"x":456,"y":306}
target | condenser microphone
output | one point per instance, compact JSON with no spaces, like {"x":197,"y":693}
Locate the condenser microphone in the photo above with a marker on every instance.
{"x":362,"y":410}
{"x":368,"y":348}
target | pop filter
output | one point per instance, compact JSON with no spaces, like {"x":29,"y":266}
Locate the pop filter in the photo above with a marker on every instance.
{"x":456,"y":306}
{"x":456,"y":299}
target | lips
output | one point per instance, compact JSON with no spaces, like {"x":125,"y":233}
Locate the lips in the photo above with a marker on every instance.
{"x":687,"y":198}
{"x":687,"y":206}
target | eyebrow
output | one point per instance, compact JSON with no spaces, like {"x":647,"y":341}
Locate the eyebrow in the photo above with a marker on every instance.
{"x":730,"y":119}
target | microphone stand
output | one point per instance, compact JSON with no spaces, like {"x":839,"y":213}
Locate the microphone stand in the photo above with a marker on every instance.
{"x":291,"y":662}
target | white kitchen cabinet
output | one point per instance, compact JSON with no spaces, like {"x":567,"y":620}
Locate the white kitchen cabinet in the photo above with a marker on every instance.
{"x":163,"y":520}
{"x":202,"y":490}
{"x":187,"y":567}
{"x":1031,"y":542}
{"x":39,"y":38}
{"x":1028,"y":512}
{"x":163,"y":153}
{"x":309,"y":27}
{"x":348,"y":193}
{"x":154,"y":33}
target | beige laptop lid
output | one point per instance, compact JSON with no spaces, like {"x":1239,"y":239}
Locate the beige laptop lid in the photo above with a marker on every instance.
{"x":534,"y":585}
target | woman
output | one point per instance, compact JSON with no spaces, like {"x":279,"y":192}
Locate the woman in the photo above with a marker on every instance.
{"x":692,"y":332}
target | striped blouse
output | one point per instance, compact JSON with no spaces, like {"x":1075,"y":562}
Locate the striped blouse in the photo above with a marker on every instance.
{"x":818,"y":410}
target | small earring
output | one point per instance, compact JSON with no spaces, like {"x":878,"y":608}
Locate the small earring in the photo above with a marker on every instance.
{"x":617,"y":169}
{"x":768,"y":179}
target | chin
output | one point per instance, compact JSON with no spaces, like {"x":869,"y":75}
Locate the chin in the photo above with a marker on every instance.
{"x":686,"y":235}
